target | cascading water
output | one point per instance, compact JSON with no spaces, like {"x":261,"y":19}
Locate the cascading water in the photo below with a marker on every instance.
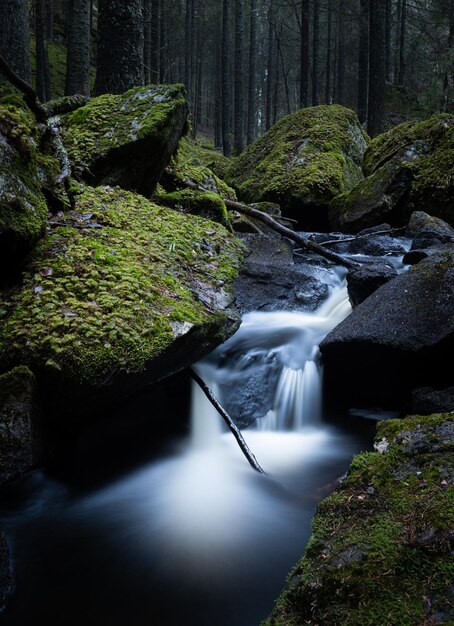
{"x":199,"y":525}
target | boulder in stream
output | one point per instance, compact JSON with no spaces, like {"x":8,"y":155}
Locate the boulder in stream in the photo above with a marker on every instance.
{"x":120,"y":296}
{"x":401,"y":337}
{"x":382,"y":542}
{"x":126,"y":139}
{"x":302,"y":163}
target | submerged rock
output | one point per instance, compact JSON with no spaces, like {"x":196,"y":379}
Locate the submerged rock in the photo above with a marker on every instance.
{"x":127,"y":139}
{"x":18,"y":436}
{"x":404,"y":332}
{"x":123,"y":295}
{"x":381,"y":548}
{"x":302,"y":163}
{"x":409,"y":167}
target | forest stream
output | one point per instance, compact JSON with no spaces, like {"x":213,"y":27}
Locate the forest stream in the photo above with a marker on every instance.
{"x":195,"y":522}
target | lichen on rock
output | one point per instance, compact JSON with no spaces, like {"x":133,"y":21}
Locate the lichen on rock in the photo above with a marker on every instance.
{"x":126,"y":139}
{"x":303,"y":162}
{"x":381,"y":548}
{"x":103,"y":293}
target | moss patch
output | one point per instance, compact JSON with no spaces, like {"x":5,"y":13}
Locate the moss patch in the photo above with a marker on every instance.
{"x":307,"y":158}
{"x":108,"y":292}
{"x":381,"y":547}
{"x":209,"y":205}
{"x":126,"y":139}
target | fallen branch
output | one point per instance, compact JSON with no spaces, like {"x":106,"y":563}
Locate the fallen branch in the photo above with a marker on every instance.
{"x":391,"y":233}
{"x":304,"y":242}
{"x":53,"y":125}
{"x":228,"y":420}
{"x":30,"y":95}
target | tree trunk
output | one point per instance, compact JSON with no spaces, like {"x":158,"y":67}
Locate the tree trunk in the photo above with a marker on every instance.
{"x":304,"y":55}
{"x":341,"y":53}
{"x":155,"y":51}
{"x":449,"y":62}
{"x":377,"y":67}
{"x":403,"y":28}
{"x":239,"y":78}
{"x":252,"y":92}
{"x":120,"y":46}
{"x":396,"y":41}
{"x":147,"y":41}
{"x":189,"y":47}
{"x":388,"y":40}
{"x":42,"y":53}
{"x":78,"y":53}
{"x":271,"y":73}
{"x":218,"y":96}
{"x":15,"y":37}
{"x":315,"y":46}
{"x":363,"y":60}
{"x":329,"y":36}
{"x":50,"y":20}
{"x":226,"y":91}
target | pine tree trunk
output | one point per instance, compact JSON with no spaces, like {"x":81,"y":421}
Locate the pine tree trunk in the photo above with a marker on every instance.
{"x":388,"y":40}
{"x":396,"y":41}
{"x":239,"y":78}
{"x":252,"y":91}
{"x":218,"y":97}
{"x":403,"y":28}
{"x":42,"y":53}
{"x":147,"y":41}
{"x":226,"y":90}
{"x":315,"y":46}
{"x":363,"y":60}
{"x":155,"y":34}
{"x":120,"y":46}
{"x":377,"y":67}
{"x":271,"y":74}
{"x":15,"y":37}
{"x":304,"y":55}
{"x":329,"y":37}
{"x":341,"y":53}
{"x":189,"y":48}
{"x":448,"y":77}
{"x":50,"y":20}
{"x":78,"y":54}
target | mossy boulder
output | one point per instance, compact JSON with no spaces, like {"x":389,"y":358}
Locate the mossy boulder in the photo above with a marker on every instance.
{"x":17,"y":423}
{"x":123,"y":295}
{"x":193,"y":152}
{"x":126,"y":139}
{"x":23,"y":209}
{"x":381,"y":548}
{"x":303,"y":162}
{"x":409,"y":168}
{"x":401,"y":337}
{"x":209,"y":205}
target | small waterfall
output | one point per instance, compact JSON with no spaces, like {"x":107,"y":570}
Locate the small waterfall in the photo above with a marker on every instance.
{"x":290,"y":340}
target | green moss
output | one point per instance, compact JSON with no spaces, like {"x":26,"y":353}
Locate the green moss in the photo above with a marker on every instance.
{"x":102,"y":294}
{"x":209,"y":205}
{"x":197,"y":164}
{"x":18,"y":381}
{"x":308,"y":157}
{"x":380,"y":550}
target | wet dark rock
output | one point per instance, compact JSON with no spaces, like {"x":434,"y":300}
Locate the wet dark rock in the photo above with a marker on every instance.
{"x":364,"y":281}
{"x":6,"y":573}
{"x":17,"y":423}
{"x":412,"y":257}
{"x":404,"y":332}
{"x":422,"y":225}
{"x":425,"y":401}
{"x":271,"y":281}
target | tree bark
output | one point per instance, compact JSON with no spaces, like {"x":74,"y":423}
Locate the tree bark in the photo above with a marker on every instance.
{"x":15,"y":37}
{"x":403,"y":30}
{"x":189,"y":47}
{"x":341,"y":54}
{"x":315,"y":46}
{"x":388,"y":40}
{"x":120,"y":46}
{"x":363,"y":60}
{"x":252,"y":91}
{"x":155,"y":52}
{"x":447,"y":80}
{"x":78,"y":53}
{"x":147,"y":41}
{"x":377,"y":68}
{"x":226,"y":91}
{"x":230,"y":423}
{"x":270,"y":74}
{"x":329,"y":36}
{"x":239,"y":78}
{"x":304,"y":55}
{"x":43,"y":88}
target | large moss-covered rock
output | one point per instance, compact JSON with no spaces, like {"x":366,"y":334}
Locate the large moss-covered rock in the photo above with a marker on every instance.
{"x":401,"y":337}
{"x":411,"y":167}
{"x":127,"y":293}
{"x":23,"y":210}
{"x":303,"y":162}
{"x":381,"y":548}
{"x":126,"y":139}
{"x":17,"y":423}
